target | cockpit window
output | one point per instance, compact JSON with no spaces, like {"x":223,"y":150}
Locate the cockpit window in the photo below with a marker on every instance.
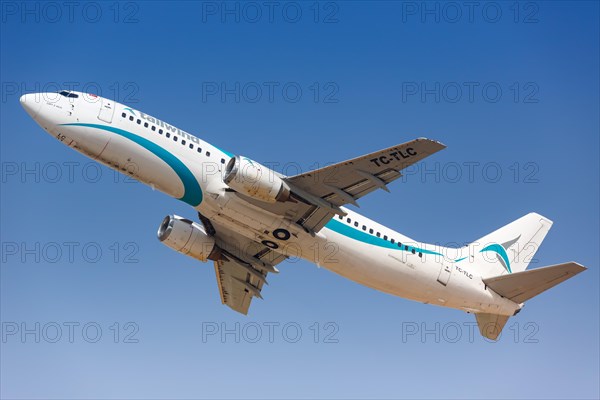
{"x":68,"y":94}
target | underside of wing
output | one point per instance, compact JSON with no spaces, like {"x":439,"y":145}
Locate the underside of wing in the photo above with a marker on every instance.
{"x":235,"y":287}
{"x":242,"y":268}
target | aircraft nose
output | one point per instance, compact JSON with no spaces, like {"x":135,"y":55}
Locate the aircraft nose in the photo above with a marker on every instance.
{"x":32,"y":103}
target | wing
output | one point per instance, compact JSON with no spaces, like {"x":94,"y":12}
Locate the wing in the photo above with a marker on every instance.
{"x":319,"y":193}
{"x":346,"y":182}
{"x":242,"y":270}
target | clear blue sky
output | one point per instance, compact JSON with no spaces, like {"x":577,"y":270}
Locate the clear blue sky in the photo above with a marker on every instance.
{"x":510,"y":91}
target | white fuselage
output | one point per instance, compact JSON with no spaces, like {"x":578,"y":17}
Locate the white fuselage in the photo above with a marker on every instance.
{"x":187,"y":168}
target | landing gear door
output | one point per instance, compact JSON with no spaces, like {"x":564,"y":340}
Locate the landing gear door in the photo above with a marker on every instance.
{"x":107,"y":109}
{"x":445,"y":272}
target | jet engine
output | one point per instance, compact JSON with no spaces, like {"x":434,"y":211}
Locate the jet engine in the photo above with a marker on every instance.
{"x":187,"y":237}
{"x":255,"y":180}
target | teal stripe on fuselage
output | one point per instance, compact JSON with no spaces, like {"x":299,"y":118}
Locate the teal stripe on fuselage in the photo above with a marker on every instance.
{"x":364,"y":237}
{"x":192,"y":192}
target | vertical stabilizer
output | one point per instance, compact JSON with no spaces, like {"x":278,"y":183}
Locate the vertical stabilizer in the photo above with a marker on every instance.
{"x":490,"y":325}
{"x":512,"y":247}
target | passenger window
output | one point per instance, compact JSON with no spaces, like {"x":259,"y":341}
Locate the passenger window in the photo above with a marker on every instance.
{"x":160,"y":131}
{"x":183,"y":142}
{"x":378,"y":234}
{"x":145,"y":124}
{"x":406,"y":248}
{"x":393,"y":241}
{"x":139,"y":121}
{"x":385,"y":237}
{"x":420,"y":254}
{"x":168,"y":134}
{"x":199,"y":150}
{"x":355,"y":223}
{"x":123,"y":115}
{"x":191,"y":145}
{"x":340,"y":217}
{"x":222,"y":161}
{"x":153,"y":128}
{"x":348,"y":220}
{"x":131,"y":117}
{"x":364,"y":227}
{"x":208,"y":154}
{"x":175,"y":138}
{"x":400,"y":244}
{"x":371,"y":231}
{"x":413,"y":251}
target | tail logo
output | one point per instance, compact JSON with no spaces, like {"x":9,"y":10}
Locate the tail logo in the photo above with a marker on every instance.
{"x":500,"y":250}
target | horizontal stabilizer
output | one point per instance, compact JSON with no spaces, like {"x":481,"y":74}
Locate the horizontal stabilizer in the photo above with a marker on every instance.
{"x":522,"y":286}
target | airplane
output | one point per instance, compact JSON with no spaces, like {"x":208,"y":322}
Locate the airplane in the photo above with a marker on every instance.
{"x":250,"y":218}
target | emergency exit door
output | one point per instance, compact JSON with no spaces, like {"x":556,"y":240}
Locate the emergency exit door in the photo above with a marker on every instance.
{"x":445,"y":272}
{"x":107,"y":109}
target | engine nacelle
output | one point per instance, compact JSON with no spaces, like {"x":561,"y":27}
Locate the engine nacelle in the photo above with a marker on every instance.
{"x":187,"y":237}
{"x":255,"y":180}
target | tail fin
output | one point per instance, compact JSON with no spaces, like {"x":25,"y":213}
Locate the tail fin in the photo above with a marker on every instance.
{"x":510,"y":248}
{"x":520,"y":287}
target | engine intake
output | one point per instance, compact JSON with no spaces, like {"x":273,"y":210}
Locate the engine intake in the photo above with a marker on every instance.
{"x":187,"y":237}
{"x":255,"y":180}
